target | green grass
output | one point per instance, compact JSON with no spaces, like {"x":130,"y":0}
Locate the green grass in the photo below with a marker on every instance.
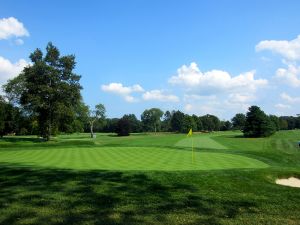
{"x":128,"y":158}
{"x":149,"y":179}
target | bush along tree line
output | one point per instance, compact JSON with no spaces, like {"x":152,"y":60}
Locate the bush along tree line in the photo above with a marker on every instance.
{"x":45,"y":99}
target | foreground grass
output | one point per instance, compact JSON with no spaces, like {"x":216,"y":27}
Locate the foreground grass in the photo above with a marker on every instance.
{"x":39,"y":195}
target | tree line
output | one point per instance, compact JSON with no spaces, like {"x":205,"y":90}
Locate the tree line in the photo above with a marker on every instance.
{"x":45,"y":99}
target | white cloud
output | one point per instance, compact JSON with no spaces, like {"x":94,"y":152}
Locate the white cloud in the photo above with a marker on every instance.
{"x":288,"y":49}
{"x":192,"y":97}
{"x":9,"y":70}
{"x":290,"y":75}
{"x":241,"y":98}
{"x":216,"y":91}
{"x":11,"y":27}
{"x":289,"y":99}
{"x":125,"y":92}
{"x":19,"y":41}
{"x":282,"y":106}
{"x":158,"y":95}
{"x":215,"y":80}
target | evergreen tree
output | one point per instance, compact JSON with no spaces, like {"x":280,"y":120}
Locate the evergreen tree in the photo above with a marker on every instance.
{"x":258,"y":124}
{"x":238,"y":121}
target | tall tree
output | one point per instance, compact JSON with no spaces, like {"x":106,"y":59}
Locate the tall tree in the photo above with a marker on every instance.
{"x":48,"y":88}
{"x":177,"y":121}
{"x":123,"y":126}
{"x":238,"y":121}
{"x":135,"y":124}
{"x":166,"y":123}
{"x":151,"y":119}
{"x":258,"y":124}
{"x":94,"y":115}
{"x":188,"y":123}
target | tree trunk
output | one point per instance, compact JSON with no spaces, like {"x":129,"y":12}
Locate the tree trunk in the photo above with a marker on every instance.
{"x":92,"y":128}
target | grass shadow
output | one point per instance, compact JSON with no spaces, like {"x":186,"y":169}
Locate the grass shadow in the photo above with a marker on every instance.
{"x":22,"y":139}
{"x":41,"y":196}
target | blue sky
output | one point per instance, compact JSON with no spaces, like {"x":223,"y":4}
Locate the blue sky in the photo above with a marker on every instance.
{"x":200,"y":57}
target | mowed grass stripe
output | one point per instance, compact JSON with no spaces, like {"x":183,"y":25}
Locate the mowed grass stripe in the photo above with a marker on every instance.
{"x":128,"y":158}
{"x":200,"y":142}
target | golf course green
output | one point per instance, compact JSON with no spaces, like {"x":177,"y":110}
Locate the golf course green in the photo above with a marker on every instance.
{"x":149,"y":179}
{"x":128,"y":158}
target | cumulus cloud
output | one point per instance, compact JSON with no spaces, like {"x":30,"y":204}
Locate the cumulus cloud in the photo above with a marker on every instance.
{"x":241,"y":98}
{"x":158,"y":95}
{"x":9,"y":70}
{"x":289,"y":50}
{"x":289,"y":99}
{"x":215,"y":80}
{"x":290,"y":75}
{"x":216,"y":91}
{"x":125,"y":92}
{"x":11,"y":27}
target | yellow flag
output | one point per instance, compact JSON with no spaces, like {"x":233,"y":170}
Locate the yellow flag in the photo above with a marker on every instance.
{"x":190,"y":132}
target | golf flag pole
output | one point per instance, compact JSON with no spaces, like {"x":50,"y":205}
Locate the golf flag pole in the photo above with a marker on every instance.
{"x":190,"y":133}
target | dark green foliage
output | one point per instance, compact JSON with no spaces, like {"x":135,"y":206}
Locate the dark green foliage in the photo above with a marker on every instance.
{"x":225,"y":125}
{"x":258,"y":124}
{"x":210,"y":123}
{"x":166,"y":123}
{"x":283,"y":124}
{"x":275,"y":120}
{"x":123,"y":127}
{"x":177,"y":121}
{"x":11,"y":120}
{"x":289,"y":122}
{"x":135,"y":124}
{"x":187,"y":124}
{"x":48,"y":89}
{"x":151,"y":119}
{"x":238,"y":121}
{"x":111,"y":125}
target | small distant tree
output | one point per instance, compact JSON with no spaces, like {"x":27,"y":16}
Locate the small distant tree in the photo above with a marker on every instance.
{"x":238,"y":121}
{"x":151,"y":119}
{"x":283,"y":124}
{"x":208,"y":122}
{"x":188,"y":123}
{"x":94,"y":115}
{"x":258,"y":124}
{"x":225,"y":125}
{"x":135,"y":124}
{"x":123,"y":127}
{"x":166,"y":123}
{"x":275,"y":120}
{"x":177,"y":121}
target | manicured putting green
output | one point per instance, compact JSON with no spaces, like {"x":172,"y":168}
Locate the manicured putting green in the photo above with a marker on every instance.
{"x":127,"y":158}
{"x":200,"y":142}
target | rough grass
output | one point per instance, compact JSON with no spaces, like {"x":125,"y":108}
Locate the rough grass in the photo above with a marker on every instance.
{"x":40,"y":195}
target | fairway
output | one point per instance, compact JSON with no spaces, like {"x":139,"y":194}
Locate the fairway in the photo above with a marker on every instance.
{"x":128,"y":158}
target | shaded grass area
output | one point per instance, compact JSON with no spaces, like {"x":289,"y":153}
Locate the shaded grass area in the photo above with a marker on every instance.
{"x":39,"y":196}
